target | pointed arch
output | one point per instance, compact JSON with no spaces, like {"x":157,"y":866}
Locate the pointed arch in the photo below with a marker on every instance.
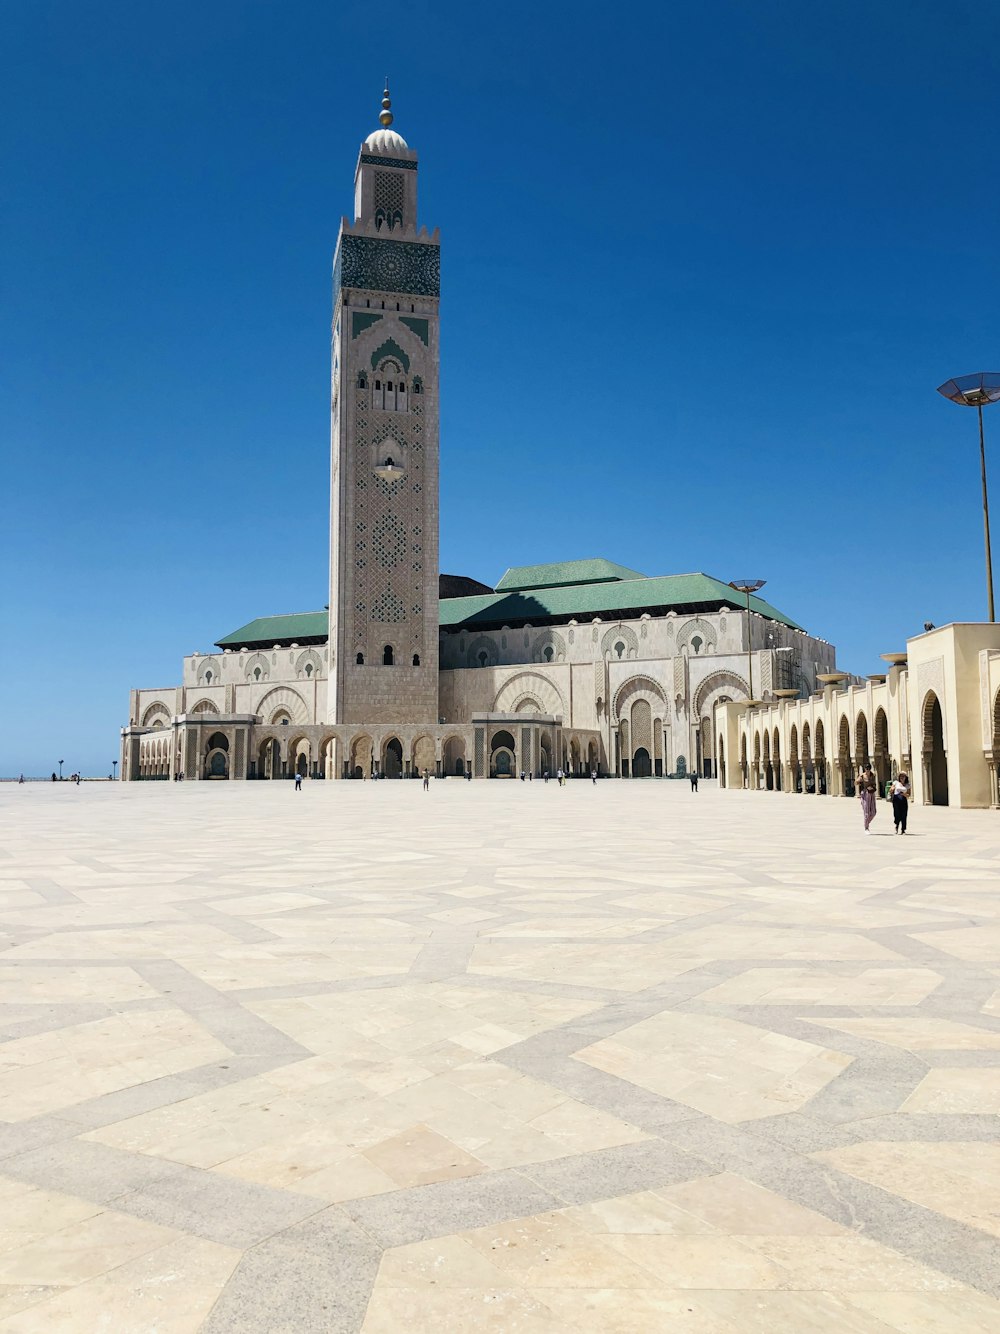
{"x":282,"y":699}
{"x":532,"y":684}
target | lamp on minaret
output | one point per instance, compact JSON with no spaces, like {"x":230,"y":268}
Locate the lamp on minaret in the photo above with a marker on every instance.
{"x":385,"y":117}
{"x":389,"y":470}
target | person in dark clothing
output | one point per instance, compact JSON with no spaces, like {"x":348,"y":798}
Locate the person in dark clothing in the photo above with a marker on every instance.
{"x":694,"y":781}
{"x":900,"y":794}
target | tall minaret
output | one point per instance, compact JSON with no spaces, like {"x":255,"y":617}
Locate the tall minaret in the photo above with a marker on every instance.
{"x":383,"y":645}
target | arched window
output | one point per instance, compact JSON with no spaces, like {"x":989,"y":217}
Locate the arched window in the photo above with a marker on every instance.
{"x":208,"y":677}
{"x":620,"y":649}
{"x":548,"y":654}
{"x":416,"y":659}
{"x":360,"y":660}
{"x":696,"y":643}
{"x":387,"y":656}
{"x":417,"y":386}
{"x":309,"y":669}
{"x":362,"y":380}
{"x":378,"y":386}
{"x":483,"y":657}
{"x":256,"y":673}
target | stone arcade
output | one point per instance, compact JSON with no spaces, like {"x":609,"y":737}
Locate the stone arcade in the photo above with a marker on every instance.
{"x":584,"y":665}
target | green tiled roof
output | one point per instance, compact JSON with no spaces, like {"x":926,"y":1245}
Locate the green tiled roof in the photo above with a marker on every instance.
{"x":564,"y":573}
{"x":683,"y":593}
{"x":630,"y":597}
{"x":302,"y":627}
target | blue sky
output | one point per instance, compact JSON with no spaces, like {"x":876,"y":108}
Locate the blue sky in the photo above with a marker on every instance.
{"x":703,"y":268}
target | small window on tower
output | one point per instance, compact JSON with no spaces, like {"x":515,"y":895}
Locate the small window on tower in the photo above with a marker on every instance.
{"x":360,"y":659}
{"x":416,"y":659}
{"x":387,"y":656}
{"x":378,"y":385}
{"x":416,"y":387}
{"x":388,"y":386}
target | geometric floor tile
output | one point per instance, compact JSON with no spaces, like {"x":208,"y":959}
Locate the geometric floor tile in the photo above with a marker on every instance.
{"x":495,"y":1057}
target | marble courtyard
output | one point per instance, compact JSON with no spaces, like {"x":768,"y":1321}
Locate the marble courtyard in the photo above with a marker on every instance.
{"x":498,"y":1057}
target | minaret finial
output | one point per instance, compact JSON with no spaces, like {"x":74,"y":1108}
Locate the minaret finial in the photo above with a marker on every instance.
{"x":386,"y":116}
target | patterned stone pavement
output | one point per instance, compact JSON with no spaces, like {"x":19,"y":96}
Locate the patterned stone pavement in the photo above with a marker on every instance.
{"x":498,"y":1057}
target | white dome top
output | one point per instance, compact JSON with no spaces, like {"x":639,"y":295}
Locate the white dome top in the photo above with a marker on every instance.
{"x":386,"y":141}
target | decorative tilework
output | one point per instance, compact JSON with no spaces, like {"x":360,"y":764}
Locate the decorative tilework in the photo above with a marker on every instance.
{"x":389,"y":541}
{"x":390,"y":348}
{"x":369,"y":159}
{"x":379,"y":265}
{"x":389,"y":194}
{"x":418,"y":326}
{"x":388,"y":609}
{"x":362,"y":320}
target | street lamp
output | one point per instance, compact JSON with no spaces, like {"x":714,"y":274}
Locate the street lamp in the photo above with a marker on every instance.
{"x":60,"y":770}
{"x":114,"y":770}
{"x":976,"y":391}
{"x":748,"y":586}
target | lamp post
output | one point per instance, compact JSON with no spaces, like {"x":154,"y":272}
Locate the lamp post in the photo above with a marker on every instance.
{"x":60,"y":770}
{"x":976,"y":391}
{"x":114,"y":770}
{"x":748,"y":586}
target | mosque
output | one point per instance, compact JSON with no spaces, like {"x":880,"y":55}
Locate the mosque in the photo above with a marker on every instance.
{"x":583,"y":665}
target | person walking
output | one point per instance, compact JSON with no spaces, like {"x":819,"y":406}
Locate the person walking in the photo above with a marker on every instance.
{"x":900,"y":795}
{"x":694,"y":781}
{"x":593,"y":776}
{"x":298,"y":782}
{"x":868,"y":793}
{"x":427,"y":780}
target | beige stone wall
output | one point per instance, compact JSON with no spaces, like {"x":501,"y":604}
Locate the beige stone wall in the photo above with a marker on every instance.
{"x":891,"y":721}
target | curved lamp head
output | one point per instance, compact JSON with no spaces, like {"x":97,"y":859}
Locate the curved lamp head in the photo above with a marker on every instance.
{"x":973,"y":391}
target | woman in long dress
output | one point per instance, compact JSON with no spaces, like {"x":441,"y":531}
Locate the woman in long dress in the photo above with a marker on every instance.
{"x":867,"y":791}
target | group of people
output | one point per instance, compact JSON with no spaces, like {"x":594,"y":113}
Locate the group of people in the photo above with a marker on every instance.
{"x":898,"y":792}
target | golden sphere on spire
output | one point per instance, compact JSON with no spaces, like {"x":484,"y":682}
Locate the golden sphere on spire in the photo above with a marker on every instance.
{"x":386,"y":115}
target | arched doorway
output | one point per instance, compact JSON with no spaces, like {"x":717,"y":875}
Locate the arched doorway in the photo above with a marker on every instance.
{"x":722,"y":763}
{"x":744,"y":767}
{"x":454,"y":756}
{"x":935,"y":761}
{"x":793,"y":758}
{"x":392,"y":758}
{"x":880,"y":750}
{"x":844,"y":758}
{"x":269,"y":758}
{"x":361,"y":757}
{"x":503,"y":755}
{"x":642,"y":739}
{"x":776,"y":761}
{"x":768,"y":769}
{"x":861,"y":756}
{"x":574,"y":756}
{"x":808,"y":773}
{"x":820,"y":758}
{"x":592,"y":761}
{"x":545,"y":762}
{"x":217,"y":756}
